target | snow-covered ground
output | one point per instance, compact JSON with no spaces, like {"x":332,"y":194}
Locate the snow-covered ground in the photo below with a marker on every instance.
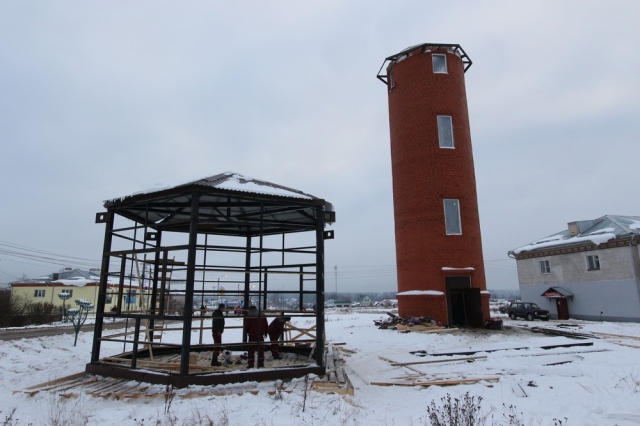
{"x":583,"y":385}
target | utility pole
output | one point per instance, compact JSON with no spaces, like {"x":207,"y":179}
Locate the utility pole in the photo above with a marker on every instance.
{"x":336,"y":275}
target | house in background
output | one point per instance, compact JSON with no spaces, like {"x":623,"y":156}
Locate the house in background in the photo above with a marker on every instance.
{"x":77,"y":284}
{"x":365,"y":301}
{"x":590,"y":271}
{"x":332,"y":303}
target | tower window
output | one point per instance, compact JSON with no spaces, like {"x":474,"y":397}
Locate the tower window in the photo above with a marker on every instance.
{"x":439,"y":64}
{"x":452,"y":217}
{"x":445,"y":131}
{"x":544,"y":267}
{"x":392,"y":81}
{"x":593,"y":263}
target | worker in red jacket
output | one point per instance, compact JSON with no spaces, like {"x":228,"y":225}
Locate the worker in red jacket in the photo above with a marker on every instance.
{"x":256,"y":327}
{"x":276,"y":328}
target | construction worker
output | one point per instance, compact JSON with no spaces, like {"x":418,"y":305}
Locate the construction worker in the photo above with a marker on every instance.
{"x":217,"y":328}
{"x":256,"y":327}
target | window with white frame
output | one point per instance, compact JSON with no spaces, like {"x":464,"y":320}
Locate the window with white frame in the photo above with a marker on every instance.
{"x":392,"y":80}
{"x":38,"y":293}
{"x":452,"y":217}
{"x":593,"y":263}
{"x":439,"y":63}
{"x":445,"y":131}
{"x":544,"y":267}
{"x":67,"y":291}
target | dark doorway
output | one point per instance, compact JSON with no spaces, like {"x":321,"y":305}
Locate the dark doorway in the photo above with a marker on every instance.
{"x":563,"y":308}
{"x":473,"y":307}
{"x":463,"y":302}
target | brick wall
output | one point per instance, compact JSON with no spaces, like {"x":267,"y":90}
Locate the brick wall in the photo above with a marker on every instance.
{"x":423,"y":305}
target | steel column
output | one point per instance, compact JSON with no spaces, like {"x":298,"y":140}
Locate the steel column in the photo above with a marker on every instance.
{"x":320,"y":285}
{"x":104,"y":279}
{"x":191,"y":274}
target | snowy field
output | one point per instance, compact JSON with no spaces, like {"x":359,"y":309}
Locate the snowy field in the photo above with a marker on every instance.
{"x":582,"y":385}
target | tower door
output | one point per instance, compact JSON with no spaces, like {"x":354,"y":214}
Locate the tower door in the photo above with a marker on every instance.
{"x":464,"y":305}
{"x":456,"y":287}
{"x":473,"y":307}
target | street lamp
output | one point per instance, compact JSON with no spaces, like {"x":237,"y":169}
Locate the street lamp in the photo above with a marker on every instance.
{"x":219,"y":287}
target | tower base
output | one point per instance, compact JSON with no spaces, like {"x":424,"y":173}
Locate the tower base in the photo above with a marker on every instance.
{"x":461,"y":309}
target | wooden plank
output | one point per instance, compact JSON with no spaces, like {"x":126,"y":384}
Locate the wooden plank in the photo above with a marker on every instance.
{"x":626,"y":344}
{"x":408,"y":377}
{"x":302,"y":331}
{"x":624,"y":336}
{"x":453,"y":382}
{"x":70,"y":385}
{"x":432,"y":361}
{"x":568,"y":345}
{"x":391,"y":384}
{"x":565,"y":353}
{"x":56,"y":381}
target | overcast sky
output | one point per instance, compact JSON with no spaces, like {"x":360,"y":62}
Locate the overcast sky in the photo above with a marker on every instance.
{"x":101,"y":99}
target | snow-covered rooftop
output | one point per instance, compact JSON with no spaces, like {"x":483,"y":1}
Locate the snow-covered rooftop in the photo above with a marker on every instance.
{"x":596,"y":231}
{"x":231,"y":181}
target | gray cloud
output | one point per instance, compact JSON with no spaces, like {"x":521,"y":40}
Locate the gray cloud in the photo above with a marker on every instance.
{"x":104,"y":99}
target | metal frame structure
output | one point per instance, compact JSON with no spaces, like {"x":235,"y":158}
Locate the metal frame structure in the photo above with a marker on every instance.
{"x":192,"y":231}
{"x":456,"y":49}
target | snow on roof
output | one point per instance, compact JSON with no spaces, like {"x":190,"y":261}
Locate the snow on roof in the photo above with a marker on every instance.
{"x":596,"y":231}
{"x":238,"y":182}
{"x":75,"y":283}
{"x":420,"y":293}
{"x":231,"y":181}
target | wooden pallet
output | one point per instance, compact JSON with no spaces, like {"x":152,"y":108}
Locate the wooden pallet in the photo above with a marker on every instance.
{"x":336,"y":379}
{"x":121,"y":389}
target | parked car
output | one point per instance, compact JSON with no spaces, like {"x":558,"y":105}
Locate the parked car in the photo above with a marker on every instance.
{"x":528,"y":311}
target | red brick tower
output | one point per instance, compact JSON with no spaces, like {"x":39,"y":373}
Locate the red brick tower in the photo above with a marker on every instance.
{"x":437,"y":226}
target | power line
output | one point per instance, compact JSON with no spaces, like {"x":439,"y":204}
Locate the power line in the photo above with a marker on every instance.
{"x":42,"y":256}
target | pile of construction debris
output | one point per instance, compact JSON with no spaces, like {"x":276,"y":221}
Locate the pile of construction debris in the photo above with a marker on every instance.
{"x":405,"y":325}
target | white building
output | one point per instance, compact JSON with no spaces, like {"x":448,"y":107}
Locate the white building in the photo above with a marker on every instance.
{"x":591,"y":270}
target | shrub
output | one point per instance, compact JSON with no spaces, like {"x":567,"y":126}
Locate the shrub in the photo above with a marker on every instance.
{"x":457,"y":412}
{"x":16,"y":311}
{"x":43,"y":313}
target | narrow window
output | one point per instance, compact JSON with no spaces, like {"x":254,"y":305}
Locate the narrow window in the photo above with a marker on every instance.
{"x":392,"y":80}
{"x":445,"y":131}
{"x":544,"y":267}
{"x":439,"y":64}
{"x":452,"y":217}
{"x":593,"y":263}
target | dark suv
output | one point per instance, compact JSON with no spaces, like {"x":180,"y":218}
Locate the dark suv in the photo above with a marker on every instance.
{"x":528,"y":311}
